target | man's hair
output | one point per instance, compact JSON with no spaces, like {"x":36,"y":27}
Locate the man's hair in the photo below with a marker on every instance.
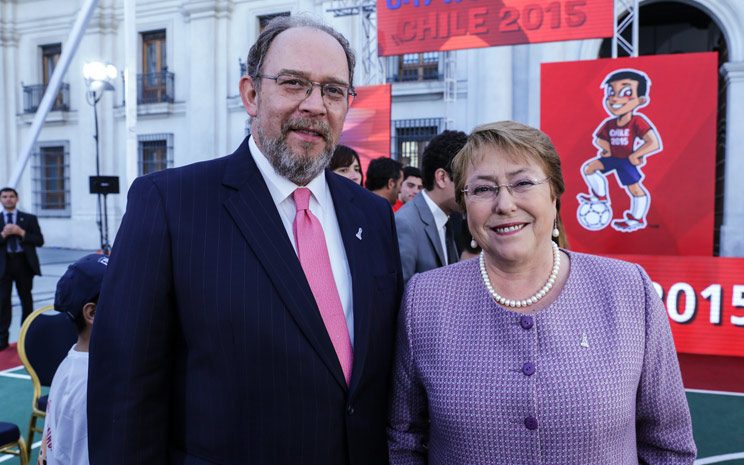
{"x":625,"y":74}
{"x":280,"y":24}
{"x":9,"y":189}
{"x":439,"y":153}
{"x":409,"y":171}
{"x":380,"y":171}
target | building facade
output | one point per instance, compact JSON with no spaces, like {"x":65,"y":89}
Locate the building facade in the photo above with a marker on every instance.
{"x":189,"y":60}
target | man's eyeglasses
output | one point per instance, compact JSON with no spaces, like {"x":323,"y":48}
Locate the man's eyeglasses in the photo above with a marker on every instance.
{"x":300,"y":88}
{"x":489,"y":192}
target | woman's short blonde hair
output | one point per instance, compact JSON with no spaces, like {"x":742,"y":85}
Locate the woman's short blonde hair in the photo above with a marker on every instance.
{"x":516,"y":139}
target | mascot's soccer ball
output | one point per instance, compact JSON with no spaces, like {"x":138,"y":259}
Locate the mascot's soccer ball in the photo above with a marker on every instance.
{"x":594,"y":215}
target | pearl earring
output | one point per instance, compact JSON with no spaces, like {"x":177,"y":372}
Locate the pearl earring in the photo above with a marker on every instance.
{"x":556,"y":233}
{"x":473,"y":244}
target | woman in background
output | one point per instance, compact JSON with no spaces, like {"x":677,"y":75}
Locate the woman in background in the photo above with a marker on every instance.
{"x":345,"y":162}
{"x":530,"y":353}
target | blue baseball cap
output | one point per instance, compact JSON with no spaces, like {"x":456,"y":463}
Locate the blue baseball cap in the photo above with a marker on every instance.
{"x":80,"y":284}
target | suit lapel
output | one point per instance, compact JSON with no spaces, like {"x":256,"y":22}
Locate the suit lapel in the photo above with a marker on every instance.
{"x":252,"y":209}
{"x":352,"y":222}
{"x":452,"y":254}
{"x":430,"y":226}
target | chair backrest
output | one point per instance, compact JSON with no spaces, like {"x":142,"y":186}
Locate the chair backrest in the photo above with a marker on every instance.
{"x":44,"y":342}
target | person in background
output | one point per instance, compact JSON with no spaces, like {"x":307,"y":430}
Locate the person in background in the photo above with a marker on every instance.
{"x":530,"y":353}
{"x":19,"y":263}
{"x":426,"y":230}
{"x":410,"y":187}
{"x":384,"y":176}
{"x":65,"y":439}
{"x":248,"y":313}
{"x":345,"y":162}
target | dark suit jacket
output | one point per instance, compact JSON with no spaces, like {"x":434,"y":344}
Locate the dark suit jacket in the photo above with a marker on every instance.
{"x":30,"y":241}
{"x":208,"y":346}
{"x":418,"y":238}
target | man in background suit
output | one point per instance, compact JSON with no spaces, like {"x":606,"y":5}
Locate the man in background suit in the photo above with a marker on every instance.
{"x":248,"y":312}
{"x":410,"y":187}
{"x":18,"y":260}
{"x":426,"y":235}
{"x":384,"y":176}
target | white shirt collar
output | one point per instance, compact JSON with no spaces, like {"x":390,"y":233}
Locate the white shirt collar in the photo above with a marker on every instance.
{"x":440,"y":218}
{"x":282,"y":188}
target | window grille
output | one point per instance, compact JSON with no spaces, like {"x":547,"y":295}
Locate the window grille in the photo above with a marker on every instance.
{"x":415,"y":67}
{"x":154,"y":83}
{"x":410,"y":137}
{"x":155,"y":152}
{"x":51,"y":179}
{"x":33,"y":94}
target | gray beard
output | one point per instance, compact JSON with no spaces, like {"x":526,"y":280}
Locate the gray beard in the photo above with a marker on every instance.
{"x":299,"y":168}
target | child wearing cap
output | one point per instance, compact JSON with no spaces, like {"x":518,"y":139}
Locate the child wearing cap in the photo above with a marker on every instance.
{"x":66,"y":426}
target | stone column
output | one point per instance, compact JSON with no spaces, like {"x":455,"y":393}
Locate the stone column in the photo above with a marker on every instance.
{"x":489,"y":84}
{"x":732,"y":229}
{"x":9,"y":89}
{"x":206,"y":98}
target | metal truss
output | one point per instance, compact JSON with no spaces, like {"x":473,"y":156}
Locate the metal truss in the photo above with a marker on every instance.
{"x":374,"y":72}
{"x":630,"y":20}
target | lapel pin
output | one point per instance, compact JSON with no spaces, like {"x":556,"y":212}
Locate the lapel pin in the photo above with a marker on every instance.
{"x":359,"y":234}
{"x":584,"y":341}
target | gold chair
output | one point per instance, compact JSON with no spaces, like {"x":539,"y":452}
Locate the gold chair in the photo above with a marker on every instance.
{"x":10,"y":438}
{"x":42,"y":345}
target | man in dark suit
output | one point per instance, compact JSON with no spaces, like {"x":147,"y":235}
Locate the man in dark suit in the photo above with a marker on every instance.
{"x":426,"y":230}
{"x":18,"y":260}
{"x":248,"y":312}
{"x":384,"y":176}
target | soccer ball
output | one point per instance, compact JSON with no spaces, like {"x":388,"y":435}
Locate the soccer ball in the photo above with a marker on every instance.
{"x":594,"y":215}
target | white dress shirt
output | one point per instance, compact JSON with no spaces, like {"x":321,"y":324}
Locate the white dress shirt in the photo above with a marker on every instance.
{"x":321,"y":205}
{"x":440,"y":220}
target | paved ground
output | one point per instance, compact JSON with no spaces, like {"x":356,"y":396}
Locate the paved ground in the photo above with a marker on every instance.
{"x":54,"y":262}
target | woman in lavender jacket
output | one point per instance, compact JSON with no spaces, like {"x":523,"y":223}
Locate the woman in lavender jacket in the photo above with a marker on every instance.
{"x":531,"y":354}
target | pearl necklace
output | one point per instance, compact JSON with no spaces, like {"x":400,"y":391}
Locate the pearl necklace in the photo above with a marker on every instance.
{"x":539,"y":295}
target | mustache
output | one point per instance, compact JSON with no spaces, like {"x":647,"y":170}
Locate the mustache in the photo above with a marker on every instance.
{"x":305,"y":123}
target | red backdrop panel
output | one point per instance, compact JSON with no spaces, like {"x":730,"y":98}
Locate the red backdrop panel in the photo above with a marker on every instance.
{"x":367,"y":125}
{"x":679,"y":178}
{"x":704,"y":297}
{"x":414,"y":26}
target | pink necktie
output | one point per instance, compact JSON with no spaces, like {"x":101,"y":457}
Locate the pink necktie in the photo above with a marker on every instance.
{"x":313,"y":253}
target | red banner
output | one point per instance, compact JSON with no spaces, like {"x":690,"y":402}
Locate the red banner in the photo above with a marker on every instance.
{"x":367,"y":125}
{"x":637,"y":139}
{"x":704,"y":297}
{"x":414,"y":26}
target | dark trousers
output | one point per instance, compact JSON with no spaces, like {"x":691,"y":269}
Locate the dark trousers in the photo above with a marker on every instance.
{"x":16,"y":269}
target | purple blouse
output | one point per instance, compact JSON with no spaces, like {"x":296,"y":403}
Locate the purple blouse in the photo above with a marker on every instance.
{"x":591,"y":379}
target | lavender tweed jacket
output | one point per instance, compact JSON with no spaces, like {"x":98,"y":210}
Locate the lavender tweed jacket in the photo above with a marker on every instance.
{"x":591,"y":379}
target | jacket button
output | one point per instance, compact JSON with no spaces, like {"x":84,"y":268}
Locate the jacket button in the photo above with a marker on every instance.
{"x":350,"y":410}
{"x":528,"y":368}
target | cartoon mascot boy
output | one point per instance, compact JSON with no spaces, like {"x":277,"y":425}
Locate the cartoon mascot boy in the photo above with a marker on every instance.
{"x":624,"y":140}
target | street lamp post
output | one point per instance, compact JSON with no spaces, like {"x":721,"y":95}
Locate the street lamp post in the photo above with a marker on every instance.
{"x":99,"y":77}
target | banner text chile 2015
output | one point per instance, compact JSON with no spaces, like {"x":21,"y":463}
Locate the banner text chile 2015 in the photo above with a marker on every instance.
{"x":412,"y":26}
